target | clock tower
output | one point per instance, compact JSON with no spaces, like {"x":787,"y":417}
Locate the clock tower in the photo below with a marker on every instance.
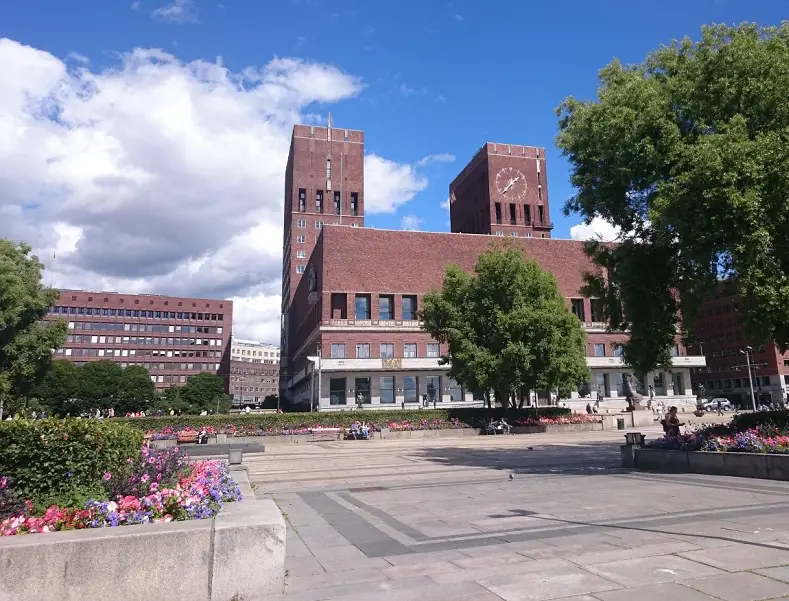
{"x":503,"y":191}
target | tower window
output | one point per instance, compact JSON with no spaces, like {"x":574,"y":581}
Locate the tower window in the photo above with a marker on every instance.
{"x":513,"y":220}
{"x":337,"y":202}
{"x":328,"y":168}
{"x":541,"y":214}
{"x":319,"y":201}
{"x":302,"y":200}
{"x":498,"y":212}
{"x":354,"y":203}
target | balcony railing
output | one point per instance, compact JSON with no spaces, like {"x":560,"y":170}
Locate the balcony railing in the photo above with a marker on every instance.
{"x":376,"y":323}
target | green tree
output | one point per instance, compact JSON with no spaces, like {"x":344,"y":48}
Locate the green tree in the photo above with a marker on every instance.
{"x":688,"y":154}
{"x":26,"y":342}
{"x":100,"y":384}
{"x":507,"y":327}
{"x":205,"y":392}
{"x":136,"y":391}
{"x":59,"y":390}
{"x":271,"y":401}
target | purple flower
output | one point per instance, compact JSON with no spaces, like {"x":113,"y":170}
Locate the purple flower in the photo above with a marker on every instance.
{"x":107,"y":476}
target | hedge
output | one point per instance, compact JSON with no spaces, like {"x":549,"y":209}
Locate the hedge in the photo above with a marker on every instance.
{"x":778,"y":419}
{"x":471,"y":418}
{"x":51,"y":457}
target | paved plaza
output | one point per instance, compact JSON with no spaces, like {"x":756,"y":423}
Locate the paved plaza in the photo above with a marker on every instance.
{"x":486,"y":518}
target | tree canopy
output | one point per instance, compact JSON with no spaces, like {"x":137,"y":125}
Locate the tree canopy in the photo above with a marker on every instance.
{"x":688,"y":154}
{"x":507,"y":328}
{"x":26,"y":342}
{"x":205,"y":392}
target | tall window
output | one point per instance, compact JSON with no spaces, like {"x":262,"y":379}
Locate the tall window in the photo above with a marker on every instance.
{"x":541,"y":214}
{"x":599,"y":350}
{"x":409,"y":307}
{"x":337,"y":202}
{"x":362,"y":306}
{"x":577,"y":306}
{"x":362,"y":386}
{"x":386,"y":384}
{"x":618,"y":350}
{"x":302,"y":200}
{"x":409,"y":351}
{"x":527,"y":214}
{"x":433,"y":388}
{"x":498,"y":212}
{"x":354,"y":203}
{"x":363,"y":351}
{"x":596,"y":305}
{"x":410,"y":389}
{"x":319,"y":201}
{"x":513,"y":219}
{"x":328,"y":168}
{"x":387,"y":350}
{"x":455,"y":391}
{"x":299,"y":268}
{"x":338,"y":351}
{"x":386,"y":306}
{"x":433,"y":350}
{"x":337,"y":391}
{"x":300,"y":254}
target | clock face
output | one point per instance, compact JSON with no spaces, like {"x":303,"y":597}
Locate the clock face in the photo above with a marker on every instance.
{"x":511,"y":183}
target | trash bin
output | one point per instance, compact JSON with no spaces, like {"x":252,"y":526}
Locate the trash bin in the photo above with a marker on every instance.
{"x":620,"y":423}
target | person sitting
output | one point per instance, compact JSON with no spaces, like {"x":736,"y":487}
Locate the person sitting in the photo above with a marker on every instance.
{"x":202,"y":437}
{"x":365,"y":431}
{"x":355,"y":428}
{"x":491,"y":427}
{"x":504,"y":426}
{"x":672,"y":424}
{"x":589,"y":408}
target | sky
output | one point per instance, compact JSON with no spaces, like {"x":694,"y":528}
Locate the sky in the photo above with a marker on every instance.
{"x":143,"y":143}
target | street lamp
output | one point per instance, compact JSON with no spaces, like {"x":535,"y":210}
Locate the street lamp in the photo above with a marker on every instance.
{"x":747,"y":352}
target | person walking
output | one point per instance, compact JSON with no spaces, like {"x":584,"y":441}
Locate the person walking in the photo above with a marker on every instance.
{"x":720,"y":407}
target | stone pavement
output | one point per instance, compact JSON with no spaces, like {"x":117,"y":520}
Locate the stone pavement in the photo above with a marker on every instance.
{"x":442,"y":520}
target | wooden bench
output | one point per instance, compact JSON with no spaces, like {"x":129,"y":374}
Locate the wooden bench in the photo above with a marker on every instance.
{"x":326,"y":433}
{"x":186,"y":437}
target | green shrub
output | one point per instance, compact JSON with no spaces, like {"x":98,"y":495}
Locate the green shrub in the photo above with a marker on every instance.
{"x":778,"y":419}
{"x":52,"y":458}
{"x":472,"y":418}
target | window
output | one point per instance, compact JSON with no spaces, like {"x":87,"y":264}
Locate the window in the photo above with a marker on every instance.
{"x":302,"y":223}
{"x":409,"y":307}
{"x":577,"y":306}
{"x":301,"y":239}
{"x":541,"y":214}
{"x":363,"y":395}
{"x":433,"y":350}
{"x":513,"y":220}
{"x":455,"y":391}
{"x":338,"y":351}
{"x":675,"y":350}
{"x":355,"y":224}
{"x":527,"y":214}
{"x":599,"y":350}
{"x":514,"y":234}
{"x":409,"y":351}
{"x":354,"y":203}
{"x":318,"y":225}
{"x":387,"y":350}
{"x":433,"y":388}
{"x":499,"y":233}
{"x":302,"y":200}
{"x":596,"y":306}
{"x":386,"y":384}
{"x":410,"y":388}
{"x":319,"y":201}
{"x":363,"y":351}
{"x":618,"y":350}
{"x":300,"y":254}
{"x":497,"y":207}
{"x":328,"y":168}
{"x":337,"y":202}
{"x":362,"y":306}
{"x":386,"y":306}
{"x":339,"y":304}
{"x":299,"y":268}
{"x":337,"y":391}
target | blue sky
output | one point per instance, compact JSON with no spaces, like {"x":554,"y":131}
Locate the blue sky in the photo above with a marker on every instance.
{"x":421,"y":78}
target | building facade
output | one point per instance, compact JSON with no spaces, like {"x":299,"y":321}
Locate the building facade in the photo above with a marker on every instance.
{"x":722,"y":340}
{"x":254,"y":371}
{"x":324,"y":184}
{"x":351,"y":333}
{"x":503,"y":191}
{"x":172,"y":337}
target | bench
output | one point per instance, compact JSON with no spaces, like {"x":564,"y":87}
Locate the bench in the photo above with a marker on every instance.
{"x":359,"y":436}
{"x":325,"y":433}
{"x":187,"y":437}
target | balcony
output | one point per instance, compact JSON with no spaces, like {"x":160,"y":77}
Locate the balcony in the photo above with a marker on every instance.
{"x":372,"y":324}
{"x":618,"y":362}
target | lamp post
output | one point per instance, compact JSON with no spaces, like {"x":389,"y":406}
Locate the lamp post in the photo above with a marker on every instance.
{"x":747,"y":352}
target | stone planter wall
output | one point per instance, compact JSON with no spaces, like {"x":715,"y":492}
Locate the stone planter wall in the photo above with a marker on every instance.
{"x":744,"y":465}
{"x":240,"y":554}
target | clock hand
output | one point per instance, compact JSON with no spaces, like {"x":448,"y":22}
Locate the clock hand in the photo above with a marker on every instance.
{"x":508,"y":186}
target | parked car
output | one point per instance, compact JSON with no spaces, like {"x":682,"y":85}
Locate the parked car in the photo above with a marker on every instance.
{"x":713,"y":404}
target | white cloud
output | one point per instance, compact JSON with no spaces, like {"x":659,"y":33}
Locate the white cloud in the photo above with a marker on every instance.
{"x":458,"y":17}
{"x":178,"y":11}
{"x":445,"y":204}
{"x":407,"y":90}
{"x":443,"y":157}
{"x":163,"y":176}
{"x":389,"y":185}
{"x":599,"y":229}
{"x":410,"y":222}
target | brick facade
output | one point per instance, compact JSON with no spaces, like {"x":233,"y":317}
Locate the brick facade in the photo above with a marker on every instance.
{"x":172,"y":337}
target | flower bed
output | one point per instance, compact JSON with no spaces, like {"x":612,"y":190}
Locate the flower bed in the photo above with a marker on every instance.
{"x":159,"y":486}
{"x":730,"y":438}
{"x":559,"y":421}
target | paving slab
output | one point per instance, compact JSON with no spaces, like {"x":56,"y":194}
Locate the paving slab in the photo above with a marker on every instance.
{"x":780,"y":573}
{"x":740,"y":557}
{"x":553,"y":584}
{"x":667,"y":591}
{"x":742,"y":586}
{"x":303,"y":566}
{"x":652,"y":570}
{"x":335,"y":579}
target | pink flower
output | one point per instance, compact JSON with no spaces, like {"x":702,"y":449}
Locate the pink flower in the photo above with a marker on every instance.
{"x":145,"y":478}
{"x":107,"y":476}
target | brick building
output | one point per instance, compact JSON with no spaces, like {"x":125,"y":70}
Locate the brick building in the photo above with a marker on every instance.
{"x":722,"y":341}
{"x":324,"y":184}
{"x":172,"y":337}
{"x":357,"y":308}
{"x":254,"y":371}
